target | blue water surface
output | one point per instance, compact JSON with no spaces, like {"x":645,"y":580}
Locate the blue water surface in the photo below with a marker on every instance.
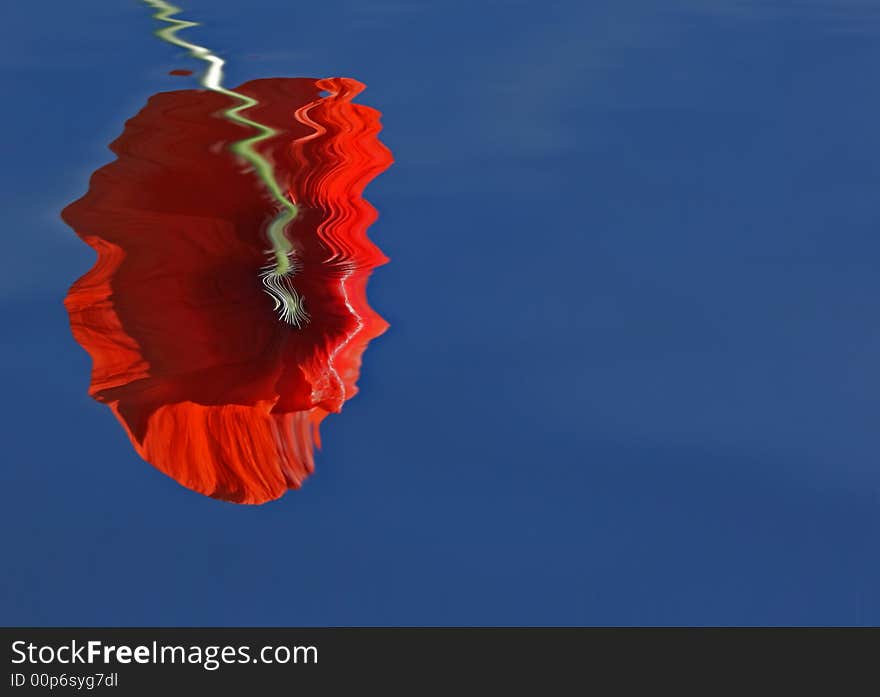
{"x":633,"y":373}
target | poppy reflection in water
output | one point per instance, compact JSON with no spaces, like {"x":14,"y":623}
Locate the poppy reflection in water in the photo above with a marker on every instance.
{"x":213,"y":387}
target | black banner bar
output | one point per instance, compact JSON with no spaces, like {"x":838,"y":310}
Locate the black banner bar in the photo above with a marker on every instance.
{"x":324,"y":661}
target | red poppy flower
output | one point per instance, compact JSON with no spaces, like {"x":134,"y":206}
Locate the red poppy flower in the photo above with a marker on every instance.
{"x":212,"y":387}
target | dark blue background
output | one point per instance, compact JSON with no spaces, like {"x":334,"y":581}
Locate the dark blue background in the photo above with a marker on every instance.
{"x":633,"y":374}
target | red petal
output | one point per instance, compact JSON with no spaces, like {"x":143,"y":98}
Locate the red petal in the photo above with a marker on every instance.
{"x":212,"y":387}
